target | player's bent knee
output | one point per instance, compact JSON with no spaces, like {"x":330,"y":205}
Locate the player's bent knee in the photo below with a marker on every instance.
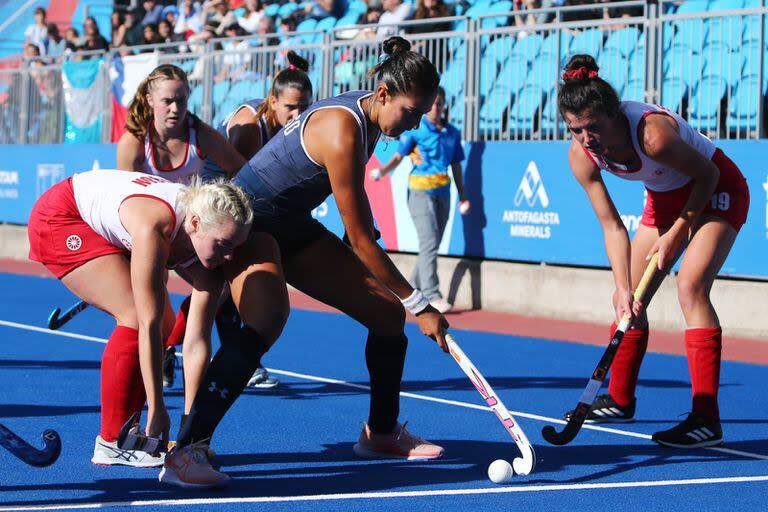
{"x":268,"y":320}
{"x":691,"y":293}
{"x":387,"y":318}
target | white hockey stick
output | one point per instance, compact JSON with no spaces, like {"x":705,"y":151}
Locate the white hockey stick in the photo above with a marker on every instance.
{"x":524,"y":465}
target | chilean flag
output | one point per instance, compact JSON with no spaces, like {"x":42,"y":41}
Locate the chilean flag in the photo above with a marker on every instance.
{"x":125,"y":74}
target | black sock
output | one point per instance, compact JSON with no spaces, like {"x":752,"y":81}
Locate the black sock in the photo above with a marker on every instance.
{"x":227,"y":375}
{"x":385,"y":357}
{"x":228,"y":321}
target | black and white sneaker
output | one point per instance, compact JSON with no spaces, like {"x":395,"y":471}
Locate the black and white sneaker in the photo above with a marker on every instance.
{"x":694,"y":432}
{"x":169,"y":366}
{"x":606,"y":410}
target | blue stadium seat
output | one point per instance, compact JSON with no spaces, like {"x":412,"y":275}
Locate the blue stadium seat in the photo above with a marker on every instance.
{"x":673,"y":90}
{"x":615,"y":70}
{"x":528,"y":46}
{"x":241,"y":91}
{"x":718,"y":60}
{"x":271,"y":10}
{"x":544,"y":73}
{"x":634,"y":90}
{"x":220,"y":91}
{"x":551,"y":122}
{"x":522,"y":114}
{"x":195,"y":100}
{"x":287,"y":9}
{"x":324,"y":25}
{"x":487,"y":79}
{"x":691,"y":6}
{"x":479,"y":8}
{"x":514,"y":72}
{"x":453,"y":80}
{"x":624,"y":41}
{"x":348,"y":19}
{"x":497,"y":50}
{"x":705,"y":103}
{"x":589,"y":41}
{"x":682,"y":62}
{"x":750,"y":57}
{"x":357,"y":6}
{"x":306,"y":25}
{"x":493,"y":108}
{"x":725,"y":5}
{"x":503,"y":6}
{"x":637,"y":65}
{"x":549,"y":46}
{"x":743,"y":105}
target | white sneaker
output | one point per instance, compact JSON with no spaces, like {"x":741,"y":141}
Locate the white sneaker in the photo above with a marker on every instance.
{"x":262,"y":379}
{"x":108,"y":454}
{"x":189,"y":467}
{"x":442,"y":305}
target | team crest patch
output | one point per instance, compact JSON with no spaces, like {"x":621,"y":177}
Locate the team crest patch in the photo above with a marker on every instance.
{"x":74,"y":242}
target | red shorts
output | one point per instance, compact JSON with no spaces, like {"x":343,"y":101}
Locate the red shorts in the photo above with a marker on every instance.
{"x":730,"y":201}
{"x":58,"y":237}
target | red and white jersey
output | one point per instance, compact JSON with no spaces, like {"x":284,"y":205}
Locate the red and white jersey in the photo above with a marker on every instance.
{"x":654,"y":175}
{"x":191,"y":166}
{"x":99,"y":195}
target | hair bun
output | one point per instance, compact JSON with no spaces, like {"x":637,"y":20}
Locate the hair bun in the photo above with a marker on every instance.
{"x":395,"y":45}
{"x":582,"y":60}
{"x":297,"y":61}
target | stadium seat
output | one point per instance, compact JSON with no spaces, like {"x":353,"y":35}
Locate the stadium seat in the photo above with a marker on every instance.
{"x":589,"y":41}
{"x":673,"y":90}
{"x":551,"y":122}
{"x":493,"y":109}
{"x":544,"y":73}
{"x":522,"y":114}
{"x":750,"y":57}
{"x":496,"y":50}
{"x":479,"y":8}
{"x":271,"y":10}
{"x":624,"y":41}
{"x":357,"y":6}
{"x":514,"y":72}
{"x":306,"y":25}
{"x":634,"y":90}
{"x":528,"y":47}
{"x":718,"y":60}
{"x":220,"y":91}
{"x":705,"y":103}
{"x":287,"y":9}
{"x":615,"y":70}
{"x":743,"y":106}
{"x":503,"y":6}
{"x":348,"y":19}
{"x":692,"y":6}
{"x":549,"y":46}
{"x":324,"y":25}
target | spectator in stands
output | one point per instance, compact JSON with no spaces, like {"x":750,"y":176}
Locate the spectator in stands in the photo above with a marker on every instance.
{"x":188,"y":22}
{"x":394,"y":11}
{"x":170,"y":14}
{"x":150,"y":37}
{"x":153,"y":13}
{"x":372,"y":14}
{"x":528,"y":19}
{"x":254,"y":12}
{"x":267,"y":27}
{"x":216,"y":16}
{"x":431,"y":9}
{"x":580,"y":15}
{"x":92,"y":38}
{"x":54,"y":44}
{"x":165,"y":35}
{"x":118,"y":30}
{"x":31,"y":52}
{"x":72,"y":38}
{"x":36,"y":32}
{"x":319,"y":9}
{"x":287,"y":26}
{"x":134,"y":34}
{"x":236,"y":60}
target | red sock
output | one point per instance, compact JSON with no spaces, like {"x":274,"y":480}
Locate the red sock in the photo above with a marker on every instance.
{"x":177,"y":334}
{"x":626,"y":365}
{"x":703,"y":346}
{"x":122,"y":389}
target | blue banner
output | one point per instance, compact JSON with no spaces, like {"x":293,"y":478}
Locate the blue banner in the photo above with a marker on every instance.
{"x":28,"y":171}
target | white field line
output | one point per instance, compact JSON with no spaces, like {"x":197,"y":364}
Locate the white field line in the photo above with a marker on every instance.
{"x":394,"y":494}
{"x":427,"y":398}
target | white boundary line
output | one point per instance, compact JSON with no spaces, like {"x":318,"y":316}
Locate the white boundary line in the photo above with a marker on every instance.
{"x":395,"y":494}
{"x":627,"y":433}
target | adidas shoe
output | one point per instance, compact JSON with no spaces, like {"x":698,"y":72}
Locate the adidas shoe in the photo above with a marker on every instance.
{"x":694,"y":432}
{"x":262,"y":379}
{"x":606,"y":410}
{"x":400,"y":444}
{"x":189,"y":467}
{"x":169,"y":366}
{"x":108,"y":454}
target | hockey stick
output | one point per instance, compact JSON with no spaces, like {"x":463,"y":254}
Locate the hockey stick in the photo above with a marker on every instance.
{"x":524,"y":465}
{"x":28,"y":453}
{"x":55,"y":321}
{"x":579,"y":415}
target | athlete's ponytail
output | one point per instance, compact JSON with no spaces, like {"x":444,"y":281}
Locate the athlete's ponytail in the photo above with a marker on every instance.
{"x":403,"y":70}
{"x":583,"y":89}
{"x":215,"y":201}
{"x":139,"y":111}
{"x":293,"y":77}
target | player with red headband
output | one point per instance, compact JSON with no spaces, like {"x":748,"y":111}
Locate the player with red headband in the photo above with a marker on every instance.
{"x":697,"y":201}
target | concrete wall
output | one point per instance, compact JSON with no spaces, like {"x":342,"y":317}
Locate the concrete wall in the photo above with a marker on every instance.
{"x":565,"y":293}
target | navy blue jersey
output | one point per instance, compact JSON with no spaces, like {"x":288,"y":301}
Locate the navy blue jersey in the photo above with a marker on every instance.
{"x":282,"y":179}
{"x":213,"y":171}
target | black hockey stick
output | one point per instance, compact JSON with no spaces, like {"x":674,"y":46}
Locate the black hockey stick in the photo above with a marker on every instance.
{"x":579,"y":415}
{"x":55,"y":321}
{"x":28,"y":453}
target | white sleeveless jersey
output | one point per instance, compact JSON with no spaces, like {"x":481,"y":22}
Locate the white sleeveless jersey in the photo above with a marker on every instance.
{"x":191,"y":166}
{"x":99,"y":194}
{"x":654,"y":175}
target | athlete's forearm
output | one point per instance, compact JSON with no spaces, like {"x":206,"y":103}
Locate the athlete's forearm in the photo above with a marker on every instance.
{"x":381,"y":266}
{"x":619,"y":250}
{"x":701,"y":193}
{"x":150,"y":361}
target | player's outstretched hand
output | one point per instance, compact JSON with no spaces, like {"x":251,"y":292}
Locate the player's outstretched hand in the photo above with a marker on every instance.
{"x":158,"y":422}
{"x":434,"y":325}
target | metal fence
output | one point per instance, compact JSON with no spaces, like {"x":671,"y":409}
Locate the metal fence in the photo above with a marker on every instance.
{"x":500,"y":70}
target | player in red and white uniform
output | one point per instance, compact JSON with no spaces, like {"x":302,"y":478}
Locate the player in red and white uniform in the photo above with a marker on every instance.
{"x":165,"y":139}
{"x":109,"y":236}
{"x":697,"y":202}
